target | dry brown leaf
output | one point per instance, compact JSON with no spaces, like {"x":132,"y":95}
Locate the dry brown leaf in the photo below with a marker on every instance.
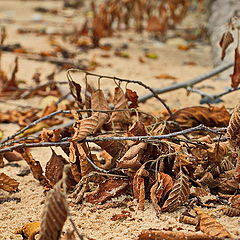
{"x":210,"y":226}
{"x":54,"y":214}
{"x":154,"y":234}
{"x":225,"y":41}
{"x":165,"y":76}
{"x":29,"y":230}
{"x":75,"y":89}
{"x":74,"y":160}
{"x":47,"y":135}
{"x":188,"y":220}
{"x":35,"y":168}
{"x":85,"y":127}
{"x":138,"y":186}
{"x":7,"y":183}
{"x":107,"y":190}
{"x":236,"y":71}
{"x":193,"y":116}
{"x":133,"y":156}
{"x":232,"y":212}
{"x":13,"y":156}
{"x":159,"y":190}
{"x":233,"y":129}
{"x":179,"y":194}
{"x":54,"y":168}
{"x":208,"y":180}
{"x":114,"y":148}
{"x":121,"y":120}
{"x":132,"y":97}
{"x":137,"y":129}
{"x":1,"y":161}
{"x":98,"y":102}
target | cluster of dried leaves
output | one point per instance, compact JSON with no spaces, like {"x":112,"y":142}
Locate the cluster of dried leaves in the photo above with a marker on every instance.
{"x":128,"y":159}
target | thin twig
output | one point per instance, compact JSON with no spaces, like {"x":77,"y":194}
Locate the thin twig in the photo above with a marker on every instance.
{"x":103,"y":139}
{"x":62,"y":112}
{"x":186,"y":84}
{"x":122,"y":80}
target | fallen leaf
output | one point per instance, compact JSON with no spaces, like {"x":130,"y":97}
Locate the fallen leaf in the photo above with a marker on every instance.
{"x":179,"y":194}
{"x":151,"y":55}
{"x":154,"y":24}
{"x":85,"y":127}
{"x":138,"y":186}
{"x":210,"y":226}
{"x":132,"y":97}
{"x":35,"y":167}
{"x":107,"y":190}
{"x":132,"y":158}
{"x":236,"y":71}
{"x":54,"y":168}
{"x":29,"y":230}
{"x":160,"y":189}
{"x":13,"y":156}
{"x":193,"y":116}
{"x":54,"y":214}
{"x":225,"y":41}
{"x":165,"y":76}
{"x":7,"y":183}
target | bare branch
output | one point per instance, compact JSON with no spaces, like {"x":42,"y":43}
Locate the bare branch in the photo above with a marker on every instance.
{"x":188,"y":83}
{"x":134,"y":138}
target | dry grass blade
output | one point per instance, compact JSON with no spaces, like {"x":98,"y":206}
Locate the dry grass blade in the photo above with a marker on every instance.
{"x":7,"y":183}
{"x":54,"y":215}
{"x":210,"y":226}
{"x":178,"y":195}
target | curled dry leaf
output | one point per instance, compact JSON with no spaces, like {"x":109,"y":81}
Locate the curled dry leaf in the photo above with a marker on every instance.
{"x":74,"y":160}
{"x":54,"y":214}
{"x":179,"y":194}
{"x":236,"y":71}
{"x":160,"y":189}
{"x":29,"y":230}
{"x":132,"y":97}
{"x":114,"y":148}
{"x":139,"y":187}
{"x":120,"y":119}
{"x":98,"y":102}
{"x":132,"y":158}
{"x":7,"y":183}
{"x":193,"y":116}
{"x":75,"y":89}
{"x":210,"y":226}
{"x":137,"y":129}
{"x":225,"y":41}
{"x":107,"y":190}
{"x":35,"y":168}
{"x":85,"y":127}
{"x":154,"y":234}
{"x":54,"y":168}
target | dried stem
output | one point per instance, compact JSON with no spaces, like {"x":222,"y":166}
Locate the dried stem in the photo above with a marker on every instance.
{"x":102,"y":139}
{"x":62,"y":112}
{"x":122,"y":80}
{"x":188,"y":83}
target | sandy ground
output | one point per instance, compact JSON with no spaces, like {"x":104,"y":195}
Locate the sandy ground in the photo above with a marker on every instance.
{"x":98,"y":224}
